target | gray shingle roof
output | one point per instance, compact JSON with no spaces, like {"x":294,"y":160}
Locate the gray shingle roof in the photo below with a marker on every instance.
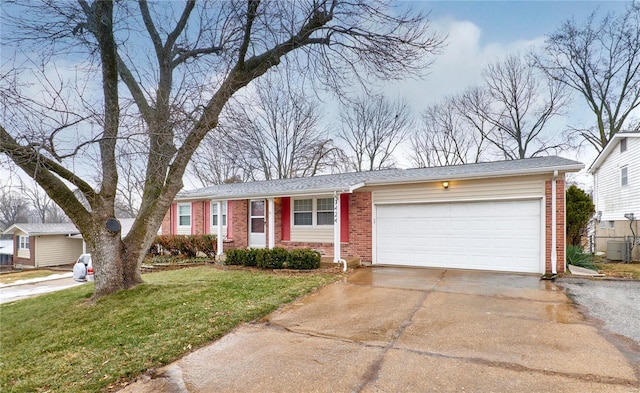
{"x":59,"y":228}
{"x":345,"y":182}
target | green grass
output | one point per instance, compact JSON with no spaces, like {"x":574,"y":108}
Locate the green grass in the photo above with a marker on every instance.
{"x":61,"y":342}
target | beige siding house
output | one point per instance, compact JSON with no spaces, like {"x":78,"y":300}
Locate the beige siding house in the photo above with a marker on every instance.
{"x":44,"y":245}
{"x":616,"y":193}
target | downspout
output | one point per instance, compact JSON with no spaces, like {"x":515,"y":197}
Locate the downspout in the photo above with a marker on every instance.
{"x":554,"y":218}
{"x":336,"y":231}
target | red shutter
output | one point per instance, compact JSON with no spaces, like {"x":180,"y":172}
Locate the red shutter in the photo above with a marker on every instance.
{"x":286,"y":218}
{"x":174,"y":218}
{"x":193,"y":218}
{"x":344,"y":218}
{"x":229,"y":220}
{"x":206,"y":220}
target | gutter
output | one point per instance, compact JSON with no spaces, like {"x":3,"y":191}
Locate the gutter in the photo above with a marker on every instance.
{"x":554,"y":218}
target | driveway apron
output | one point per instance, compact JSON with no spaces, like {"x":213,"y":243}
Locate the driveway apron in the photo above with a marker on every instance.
{"x":411,"y":330}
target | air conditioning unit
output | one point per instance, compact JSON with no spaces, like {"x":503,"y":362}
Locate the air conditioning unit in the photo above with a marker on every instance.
{"x":619,"y":250}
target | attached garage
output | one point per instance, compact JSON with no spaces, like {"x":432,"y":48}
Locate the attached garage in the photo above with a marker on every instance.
{"x":485,"y":235}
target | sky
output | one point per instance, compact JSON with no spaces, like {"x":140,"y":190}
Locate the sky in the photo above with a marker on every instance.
{"x":480,"y":32}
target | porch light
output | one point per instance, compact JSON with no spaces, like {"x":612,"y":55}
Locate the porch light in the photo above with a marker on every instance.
{"x":445,"y":185}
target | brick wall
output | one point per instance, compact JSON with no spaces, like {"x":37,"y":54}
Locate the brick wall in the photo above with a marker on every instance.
{"x":359,"y":244}
{"x":560,"y":225}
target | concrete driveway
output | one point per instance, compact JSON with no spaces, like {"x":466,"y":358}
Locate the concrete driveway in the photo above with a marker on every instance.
{"x":412,"y":330}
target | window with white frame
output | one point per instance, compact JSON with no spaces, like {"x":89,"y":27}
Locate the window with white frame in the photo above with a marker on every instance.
{"x":303,"y":212}
{"x":623,"y":145}
{"x":184,"y":214}
{"x":624,"y":176}
{"x":324,"y":211}
{"x":313,"y":211}
{"x":603,"y":224}
{"x":215,"y":216}
{"x":612,"y":224}
{"x":23,"y":242}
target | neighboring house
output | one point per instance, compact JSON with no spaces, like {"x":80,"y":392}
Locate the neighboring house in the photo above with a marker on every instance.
{"x":490,"y":216}
{"x":42,"y":245}
{"x":616,"y":191}
{"x":6,"y":252}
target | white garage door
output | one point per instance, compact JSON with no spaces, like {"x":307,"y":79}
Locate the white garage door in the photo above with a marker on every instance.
{"x":501,"y":235}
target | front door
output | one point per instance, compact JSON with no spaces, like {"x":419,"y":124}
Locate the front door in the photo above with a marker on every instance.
{"x":257,"y":237}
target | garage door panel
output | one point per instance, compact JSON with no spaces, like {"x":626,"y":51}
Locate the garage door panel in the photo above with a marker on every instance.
{"x":500,"y":235}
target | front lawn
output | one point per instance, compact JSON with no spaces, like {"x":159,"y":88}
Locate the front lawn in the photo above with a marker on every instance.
{"x":10,"y":278}
{"x":60,"y":342}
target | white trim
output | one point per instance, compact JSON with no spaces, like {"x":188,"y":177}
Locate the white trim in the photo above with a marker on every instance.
{"x":22,"y":244}
{"x":263,"y":237}
{"x":454,"y":200}
{"x":314,"y":211}
{"x":272,"y":223}
{"x":219,"y":227}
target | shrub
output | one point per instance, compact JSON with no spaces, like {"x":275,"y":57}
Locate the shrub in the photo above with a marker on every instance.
{"x":577,"y":257}
{"x":272,"y":259}
{"x":188,"y":246}
{"x":303,"y":259}
{"x":235,"y":256}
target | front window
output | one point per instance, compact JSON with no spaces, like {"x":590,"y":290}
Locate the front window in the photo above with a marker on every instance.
{"x":184,"y":215}
{"x":324,"y":211}
{"x":303,"y":212}
{"x":624,"y":176}
{"x":215,"y":215}
{"x":313,"y":212}
{"x":23,"y":242}
{"x":612,"y":224}
{"x":623,"y":145}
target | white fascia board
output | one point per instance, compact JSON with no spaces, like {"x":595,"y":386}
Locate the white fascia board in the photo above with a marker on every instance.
{"x":528,"y":172}
{"x":608,"y":148}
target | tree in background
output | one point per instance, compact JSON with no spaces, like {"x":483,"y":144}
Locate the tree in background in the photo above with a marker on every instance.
{"x":514,"y":106}
{"x":580,"y":209}
{"x":600,"y":60}
{"x":372,"y":128}
{"x":160,"y":74}
{"x":274,"y":132}
{"x":447,"y":137}
{"x":14,"y":208}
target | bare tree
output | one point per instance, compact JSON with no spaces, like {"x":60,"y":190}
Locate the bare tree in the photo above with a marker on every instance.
{"x":447,"y":137}
{"x":372,"y":128}
{"x":14,"y":208}
{"x":516,"y":104}
{"x":276,"y":133}
{"x":42,"y":205}
{"x":178,"y":64}
{"x":600,"y":60}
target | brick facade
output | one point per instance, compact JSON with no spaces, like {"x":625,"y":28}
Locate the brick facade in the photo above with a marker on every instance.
{"x":560,"y":225}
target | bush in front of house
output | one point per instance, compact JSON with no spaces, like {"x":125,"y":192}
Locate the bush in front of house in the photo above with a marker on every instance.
{"x":186,"y":245}
{"x":275,"y":258}
{"x":303,"y":259}
{"x":577,"y":257}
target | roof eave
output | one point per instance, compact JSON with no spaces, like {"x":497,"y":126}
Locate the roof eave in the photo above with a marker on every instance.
{"x":608,"y":148}
{"x":294,"y":193}
{"x":529,"y":172}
